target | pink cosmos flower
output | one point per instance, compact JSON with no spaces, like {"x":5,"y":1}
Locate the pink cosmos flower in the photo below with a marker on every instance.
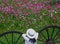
{"x":42,"y":6}
{"x":57,"y":6}
{"x":49,"y":7}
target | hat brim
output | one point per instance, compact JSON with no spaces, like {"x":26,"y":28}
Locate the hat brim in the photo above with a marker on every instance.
{"x":32,"y":36}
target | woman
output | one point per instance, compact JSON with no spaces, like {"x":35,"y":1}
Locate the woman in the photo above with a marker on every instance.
{"x":30,"y":37}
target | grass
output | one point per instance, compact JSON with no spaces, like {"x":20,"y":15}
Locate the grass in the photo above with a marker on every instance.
{"x":21,"y":25}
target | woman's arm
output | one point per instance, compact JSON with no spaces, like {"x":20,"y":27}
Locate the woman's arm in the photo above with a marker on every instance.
{"x":25,"y":37}
{"x":36,"y":36}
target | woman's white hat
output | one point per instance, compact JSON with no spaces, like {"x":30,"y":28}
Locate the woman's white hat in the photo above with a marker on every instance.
{"x":31,"y":33}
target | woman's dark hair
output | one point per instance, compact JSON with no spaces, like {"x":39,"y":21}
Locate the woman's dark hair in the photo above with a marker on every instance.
{"x":32,"y":40}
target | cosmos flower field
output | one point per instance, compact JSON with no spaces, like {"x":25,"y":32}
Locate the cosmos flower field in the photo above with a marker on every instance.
{"x":23,"y":14}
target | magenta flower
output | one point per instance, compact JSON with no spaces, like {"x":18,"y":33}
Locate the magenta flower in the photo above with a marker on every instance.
{"x":53,"y":11}
{"x":57,"y":6}
{"x":13,"y":11}
{"x":31,"y":6}
{"x":16,"y":14}
{"x":37,"y":6}
{"x":7,"y":9}
{"x":42,"y":6}
{"x":49,"y":7}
